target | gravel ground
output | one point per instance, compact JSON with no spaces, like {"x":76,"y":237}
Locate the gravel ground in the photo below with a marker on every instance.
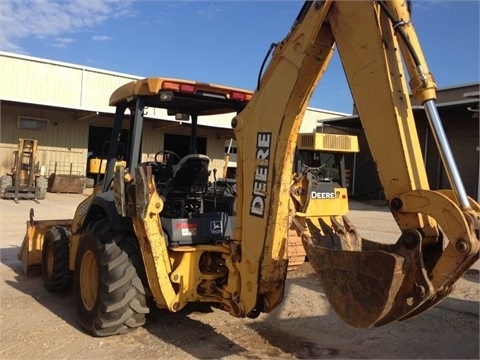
{"x":36,"y":324}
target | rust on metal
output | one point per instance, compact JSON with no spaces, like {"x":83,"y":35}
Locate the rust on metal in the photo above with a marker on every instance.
{"x":368,"y":283}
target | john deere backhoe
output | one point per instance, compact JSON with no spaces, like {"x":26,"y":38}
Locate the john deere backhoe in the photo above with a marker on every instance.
{"x":158,"y":231}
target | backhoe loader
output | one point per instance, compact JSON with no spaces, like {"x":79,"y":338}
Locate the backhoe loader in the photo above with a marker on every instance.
{"x":157,"y":232}
{"x":320,"y":184}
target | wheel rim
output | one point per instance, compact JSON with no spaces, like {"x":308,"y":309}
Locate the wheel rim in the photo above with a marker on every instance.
{"x":89,"y":280}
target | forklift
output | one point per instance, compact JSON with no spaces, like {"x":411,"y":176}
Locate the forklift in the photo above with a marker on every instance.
{"x":22,"y":182}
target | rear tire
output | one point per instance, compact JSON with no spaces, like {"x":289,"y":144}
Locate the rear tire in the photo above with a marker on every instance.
{"x":110,"y":296}
{"x":57,"y":277}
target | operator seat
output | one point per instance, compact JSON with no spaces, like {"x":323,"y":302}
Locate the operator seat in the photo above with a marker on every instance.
{"x":191,"y":174}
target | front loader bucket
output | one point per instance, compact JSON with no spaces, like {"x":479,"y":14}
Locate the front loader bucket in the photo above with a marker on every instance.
{"x":368,"y":283}
{"x":30,"y":253}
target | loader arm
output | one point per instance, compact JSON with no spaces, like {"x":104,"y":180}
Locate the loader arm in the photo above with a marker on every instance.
{"x":368,"y":283}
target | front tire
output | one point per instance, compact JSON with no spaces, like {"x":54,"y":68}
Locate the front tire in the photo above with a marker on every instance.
{"x":56,"y":275}
{"x":110,"y":296}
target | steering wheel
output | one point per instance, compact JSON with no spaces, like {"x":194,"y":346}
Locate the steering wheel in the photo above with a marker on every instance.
{"x":166,"y":152}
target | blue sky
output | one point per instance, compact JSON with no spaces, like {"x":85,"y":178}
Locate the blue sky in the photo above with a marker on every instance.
{"x":216,"y":41}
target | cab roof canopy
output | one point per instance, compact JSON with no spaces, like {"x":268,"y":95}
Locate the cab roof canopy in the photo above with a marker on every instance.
{"x":182,"y":96}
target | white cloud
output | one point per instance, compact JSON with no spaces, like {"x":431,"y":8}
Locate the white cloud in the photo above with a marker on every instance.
{"x":101,"y":38}
{"x":209,"y":11}
{"x":61,"y":42}
{"x":46,"y":18}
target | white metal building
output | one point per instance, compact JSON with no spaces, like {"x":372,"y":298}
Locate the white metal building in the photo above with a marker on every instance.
{"x":65,"y":107}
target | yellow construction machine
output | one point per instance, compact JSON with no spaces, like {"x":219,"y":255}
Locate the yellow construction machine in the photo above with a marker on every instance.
{"x":24,"y":181}
{"x":320,"y":184}
{"x":96,"y":166}
{"x":157,"y":231}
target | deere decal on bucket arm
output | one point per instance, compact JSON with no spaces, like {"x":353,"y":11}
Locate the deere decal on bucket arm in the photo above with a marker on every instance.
{"x":157,"y":231}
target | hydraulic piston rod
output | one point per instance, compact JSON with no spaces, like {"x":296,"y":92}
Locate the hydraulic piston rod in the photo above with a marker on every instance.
{"x":446,"y":154}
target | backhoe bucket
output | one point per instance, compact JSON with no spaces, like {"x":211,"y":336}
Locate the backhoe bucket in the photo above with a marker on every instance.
{"x":30,"y":253}
{"x":368,"y":283}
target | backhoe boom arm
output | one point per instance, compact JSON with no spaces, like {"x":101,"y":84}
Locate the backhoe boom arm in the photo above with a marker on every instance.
{"x":375,"y":40}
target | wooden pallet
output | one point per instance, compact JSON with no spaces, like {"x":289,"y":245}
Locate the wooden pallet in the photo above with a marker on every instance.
{"x":295,"y":251}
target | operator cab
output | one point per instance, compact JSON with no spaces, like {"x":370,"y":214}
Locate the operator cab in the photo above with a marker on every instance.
{"x":192,"y":212}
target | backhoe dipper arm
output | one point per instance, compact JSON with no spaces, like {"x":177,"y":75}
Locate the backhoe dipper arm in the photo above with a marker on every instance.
{"x":367,"y":283}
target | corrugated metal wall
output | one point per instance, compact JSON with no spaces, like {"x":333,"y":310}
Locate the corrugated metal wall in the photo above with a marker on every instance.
{"x":62,"y":145}
{"x":313,"y":116}
{"x":39,"y":81}
{"x":62,"y":148}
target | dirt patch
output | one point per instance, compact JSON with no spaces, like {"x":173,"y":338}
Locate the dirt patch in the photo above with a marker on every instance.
{"x":37,"y":324}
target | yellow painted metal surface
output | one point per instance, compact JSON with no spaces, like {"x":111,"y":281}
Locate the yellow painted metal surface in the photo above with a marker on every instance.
{"x":371,"y":61}
{"x":371,"y":55}
{"x":30,"y":253}
{"x":266,"y":137}
{"x":98,"y":166}
{"x":152,"y":86}
{"x":173,"y":274}
{"x":326,"y":204}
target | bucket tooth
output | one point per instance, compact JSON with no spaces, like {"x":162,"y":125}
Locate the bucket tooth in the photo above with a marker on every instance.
{"x":329,"y":240}
{"x":340,"y":230}
{"x":355,"y":238}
